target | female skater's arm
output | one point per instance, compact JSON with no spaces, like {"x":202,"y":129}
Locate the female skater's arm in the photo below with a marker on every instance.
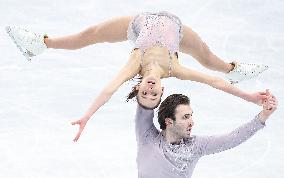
{"x":124,"y":75}
{"x":127,"y":72}
{"x":183,"y":73}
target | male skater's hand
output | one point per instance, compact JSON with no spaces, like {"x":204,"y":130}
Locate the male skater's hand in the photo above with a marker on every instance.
{"x":81,"y":122}
{"x":269,"y":106}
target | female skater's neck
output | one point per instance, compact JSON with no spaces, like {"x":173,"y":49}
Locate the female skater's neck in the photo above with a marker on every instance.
{"x":153,"y":71}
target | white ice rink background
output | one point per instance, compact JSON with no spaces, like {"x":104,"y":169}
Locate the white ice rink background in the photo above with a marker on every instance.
{"x":39,"y":99}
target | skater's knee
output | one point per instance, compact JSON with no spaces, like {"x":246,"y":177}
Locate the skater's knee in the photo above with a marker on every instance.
{"x":207,"y":63}
{"x":205,"y":49}
{"x":89,"y":34}
{"x":91,"y":30}
{"x":205,"y":55}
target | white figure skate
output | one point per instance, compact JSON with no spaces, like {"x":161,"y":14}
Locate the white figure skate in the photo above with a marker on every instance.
{"x":29,"y":43}
{"x":244,"y":71}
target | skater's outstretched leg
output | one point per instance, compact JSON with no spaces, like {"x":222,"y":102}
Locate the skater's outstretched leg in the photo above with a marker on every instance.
{"x":193,"y":45}
{"x":113,"y":30}
{"x":32,"y":44}
{"x":235,"y":71}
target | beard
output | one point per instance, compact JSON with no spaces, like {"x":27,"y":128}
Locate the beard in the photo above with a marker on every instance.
{"x":180,"y":132}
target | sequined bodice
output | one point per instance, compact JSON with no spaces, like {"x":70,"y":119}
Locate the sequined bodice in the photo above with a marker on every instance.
{"x":150,"y":29}
{"x":156,"y":29}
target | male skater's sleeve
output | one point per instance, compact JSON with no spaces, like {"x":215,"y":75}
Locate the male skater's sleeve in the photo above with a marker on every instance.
{"x":214,"y":144}
{"x":144,"y":126}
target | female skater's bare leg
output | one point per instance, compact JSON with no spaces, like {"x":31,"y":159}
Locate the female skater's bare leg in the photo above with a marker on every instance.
{"x":113,"y":30}
{"x":193,"y":45}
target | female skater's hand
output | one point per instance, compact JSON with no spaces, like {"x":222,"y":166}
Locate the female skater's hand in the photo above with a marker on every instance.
{"x":257,"y":98}
{"x":81,"y":122}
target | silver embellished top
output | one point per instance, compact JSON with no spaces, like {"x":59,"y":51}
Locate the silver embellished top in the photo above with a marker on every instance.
{"x":157,"y":158}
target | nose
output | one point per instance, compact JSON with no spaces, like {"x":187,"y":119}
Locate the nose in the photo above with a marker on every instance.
{"x":150,"y":88}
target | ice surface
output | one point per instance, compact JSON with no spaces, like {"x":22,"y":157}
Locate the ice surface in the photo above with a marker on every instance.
{"x":39,"y":99}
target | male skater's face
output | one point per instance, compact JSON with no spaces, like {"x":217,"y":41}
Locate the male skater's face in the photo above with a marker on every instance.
{"x":183,"y":124}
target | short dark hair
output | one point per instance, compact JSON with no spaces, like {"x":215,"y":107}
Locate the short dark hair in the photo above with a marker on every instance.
{"x":168,"y":107}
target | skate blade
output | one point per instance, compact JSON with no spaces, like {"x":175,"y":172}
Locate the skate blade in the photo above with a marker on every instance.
{"x":25,"y":52}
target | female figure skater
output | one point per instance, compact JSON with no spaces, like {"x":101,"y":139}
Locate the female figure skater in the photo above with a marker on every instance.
{"x":157,"y":37}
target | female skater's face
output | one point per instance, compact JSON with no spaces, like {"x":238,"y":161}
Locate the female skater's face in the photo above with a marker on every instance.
{"x":150,"y":92}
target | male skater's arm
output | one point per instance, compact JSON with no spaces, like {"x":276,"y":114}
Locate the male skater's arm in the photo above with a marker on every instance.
{"x":144,"y":125}
{"x":215,"y":144}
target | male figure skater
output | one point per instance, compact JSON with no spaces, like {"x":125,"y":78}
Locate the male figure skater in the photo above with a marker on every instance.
{"x":174,"y":152}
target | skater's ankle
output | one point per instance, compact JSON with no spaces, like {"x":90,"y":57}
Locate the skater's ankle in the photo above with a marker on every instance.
{"x":231,"y":66}
{"x":47,"y":41}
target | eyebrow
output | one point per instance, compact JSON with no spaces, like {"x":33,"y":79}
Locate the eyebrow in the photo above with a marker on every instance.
{"x":189,"y":114}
